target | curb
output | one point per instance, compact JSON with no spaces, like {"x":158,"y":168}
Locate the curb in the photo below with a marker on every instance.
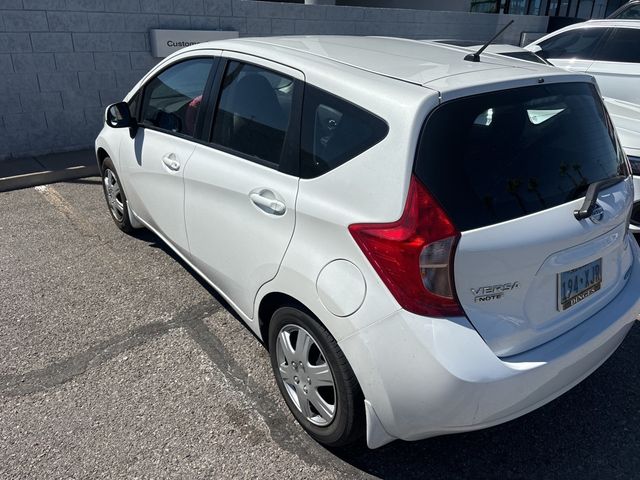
{"x":41,"y":178}
{"x":30,"y":172}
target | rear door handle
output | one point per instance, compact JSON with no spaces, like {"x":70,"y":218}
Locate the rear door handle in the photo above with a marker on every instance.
{"x":170,"y":161}
{"x":267,"y":202}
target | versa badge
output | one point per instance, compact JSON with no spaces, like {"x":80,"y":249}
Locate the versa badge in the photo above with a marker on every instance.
{"x":492,"y":292}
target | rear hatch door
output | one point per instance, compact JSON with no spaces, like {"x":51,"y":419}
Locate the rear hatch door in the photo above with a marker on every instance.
{"x":510,"y":168}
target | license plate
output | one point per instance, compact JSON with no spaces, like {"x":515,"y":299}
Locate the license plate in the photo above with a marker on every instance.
{"x":577,"y":284}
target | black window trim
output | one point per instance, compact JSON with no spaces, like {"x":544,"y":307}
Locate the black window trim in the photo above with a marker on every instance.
{"x":206,"y":95}
{"x":290,"y":159}
{"x":135,"y":114}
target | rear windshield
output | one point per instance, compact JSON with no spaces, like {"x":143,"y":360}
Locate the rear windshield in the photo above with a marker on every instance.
{"x":502,"y":155}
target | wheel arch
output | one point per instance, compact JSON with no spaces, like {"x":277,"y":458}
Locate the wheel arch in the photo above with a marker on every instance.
{"x":101,"y":154}
{"x":273,"y":301}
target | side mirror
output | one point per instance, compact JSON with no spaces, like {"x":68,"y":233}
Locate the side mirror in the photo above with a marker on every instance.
{"x":119,"y":116}
{"x":534,"y":48}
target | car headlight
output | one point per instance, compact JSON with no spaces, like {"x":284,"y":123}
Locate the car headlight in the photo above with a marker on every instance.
{"x":635,"y":164}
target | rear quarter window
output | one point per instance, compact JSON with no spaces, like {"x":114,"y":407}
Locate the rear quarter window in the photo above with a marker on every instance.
{"x":503,"y":155}
{"x":334,"y":131}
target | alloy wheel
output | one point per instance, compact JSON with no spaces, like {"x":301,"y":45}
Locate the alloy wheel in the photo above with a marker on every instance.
{"x":306,"y":375}
{"x":114,"y":194}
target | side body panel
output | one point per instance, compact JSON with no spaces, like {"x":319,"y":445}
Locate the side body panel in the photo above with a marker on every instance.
{"x":238,"y":245}
{"x":371,"y":187}
{"x":151,"y":165}
{"x":617,"y":80}
{"x":156,"y":191}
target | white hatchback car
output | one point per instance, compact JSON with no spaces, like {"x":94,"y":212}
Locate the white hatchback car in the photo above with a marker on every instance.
{"x":427,"y":245}
{"x":610,"y":51}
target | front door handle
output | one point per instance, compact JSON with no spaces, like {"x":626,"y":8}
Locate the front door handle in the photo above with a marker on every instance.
{"x":266,"y":201}
{"x":170,"y":161}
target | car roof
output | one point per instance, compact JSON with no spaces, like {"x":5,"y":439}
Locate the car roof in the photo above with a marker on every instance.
{"x":474,"y":45}
{"x":412,"y":61}
{"x":493,"y":48}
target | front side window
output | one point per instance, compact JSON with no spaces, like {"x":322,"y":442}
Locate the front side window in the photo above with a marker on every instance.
{"x":622,"y":46}
{"x":502,"y":155}
{"x":580,"y":44}
{"x":253,"y":112}
{"x":334,"y":131}
{"x":172,"y":99}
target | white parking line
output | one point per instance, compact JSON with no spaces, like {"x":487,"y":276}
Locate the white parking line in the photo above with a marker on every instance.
{"x":54,"y":198}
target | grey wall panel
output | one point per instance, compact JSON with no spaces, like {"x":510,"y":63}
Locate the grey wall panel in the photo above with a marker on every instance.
{"x":63,"y":61}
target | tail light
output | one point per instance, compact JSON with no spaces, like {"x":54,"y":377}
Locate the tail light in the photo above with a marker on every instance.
{"x":414,"y":255}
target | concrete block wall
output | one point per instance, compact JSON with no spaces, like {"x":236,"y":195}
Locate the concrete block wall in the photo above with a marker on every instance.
{"x":63,"y":61}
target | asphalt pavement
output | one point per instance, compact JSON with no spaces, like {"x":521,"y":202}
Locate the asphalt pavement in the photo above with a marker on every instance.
{"x":117,"y":361}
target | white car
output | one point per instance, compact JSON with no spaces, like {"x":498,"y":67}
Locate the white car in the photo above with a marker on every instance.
{"x":426,"y":245}
{"x":610,"y":51}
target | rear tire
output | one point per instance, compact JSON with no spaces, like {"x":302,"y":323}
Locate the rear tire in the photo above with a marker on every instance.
{"x":315,"y":378}
{"x":115,"y":196}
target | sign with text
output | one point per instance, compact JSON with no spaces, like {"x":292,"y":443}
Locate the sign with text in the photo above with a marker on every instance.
{"x":165,"y":42}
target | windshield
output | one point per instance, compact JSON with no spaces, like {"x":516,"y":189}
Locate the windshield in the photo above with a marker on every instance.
{"x":502,"y":155}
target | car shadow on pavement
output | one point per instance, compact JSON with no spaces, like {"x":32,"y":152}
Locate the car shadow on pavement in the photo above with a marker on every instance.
{"x":85,"y":181}
{"x":592,"y":431}
{"x":155,"y":242}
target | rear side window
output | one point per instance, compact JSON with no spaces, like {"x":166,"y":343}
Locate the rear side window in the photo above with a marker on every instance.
{"x":253,"y":113}
{"x":172,"y":99}
{"x":334,"y":131}
{"x":580,"y":43}
{"x":622,"y":46}
{"x":502,"y":155}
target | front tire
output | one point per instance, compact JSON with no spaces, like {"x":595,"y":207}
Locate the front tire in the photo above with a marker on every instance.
{"x":315,"y":378}
{"x":115,"y":197}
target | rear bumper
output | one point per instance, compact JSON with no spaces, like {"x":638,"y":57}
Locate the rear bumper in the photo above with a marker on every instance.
{"x":424,"y":377}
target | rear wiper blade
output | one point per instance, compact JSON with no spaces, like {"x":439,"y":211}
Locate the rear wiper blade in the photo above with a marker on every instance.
{"x":586,"y":210}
